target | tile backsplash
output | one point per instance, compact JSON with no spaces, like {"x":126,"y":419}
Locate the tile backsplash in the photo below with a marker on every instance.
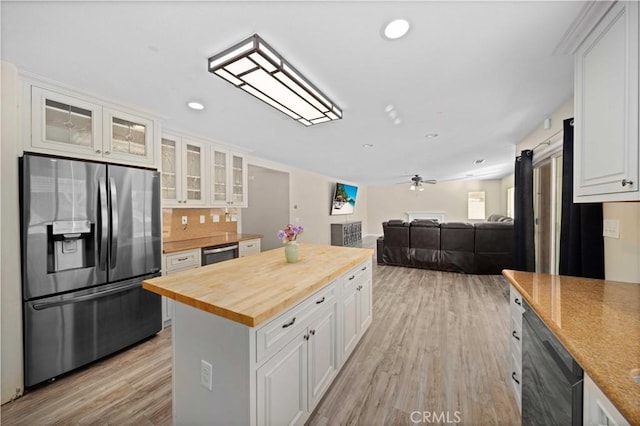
{"x":174,"y":230}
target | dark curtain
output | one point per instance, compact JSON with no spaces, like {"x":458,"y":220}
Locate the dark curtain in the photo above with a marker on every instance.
{"x":523,"y":230}
{"x":581,"y":242}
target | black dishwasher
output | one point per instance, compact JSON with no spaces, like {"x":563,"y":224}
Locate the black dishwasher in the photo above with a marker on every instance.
{"x":551,"y":378}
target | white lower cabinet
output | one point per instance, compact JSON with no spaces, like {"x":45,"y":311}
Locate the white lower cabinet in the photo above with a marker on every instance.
{"x":275,"y":373}
{"x":597,"y":409}
{"x":282,"y":385}
{"x":248,"y":247}
{"x":356,"y":307}
{"x":293,"y":380}
{"x":172,"y":263}
{"x":515,"y":344}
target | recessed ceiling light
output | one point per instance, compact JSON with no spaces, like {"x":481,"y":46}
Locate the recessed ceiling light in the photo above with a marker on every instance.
{"x":431,"y":135}
{"x":397,"y":121}
{"x":195,"y":105}
{"x":388,"y":108}
{"x":396,"y":29}
{"x":480,"y":161}
{"x":367,"y":145}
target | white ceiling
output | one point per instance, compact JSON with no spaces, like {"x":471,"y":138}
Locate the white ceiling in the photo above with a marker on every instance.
{"x":480,"y":74}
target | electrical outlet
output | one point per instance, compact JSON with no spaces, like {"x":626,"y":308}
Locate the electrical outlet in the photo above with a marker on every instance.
{"x":206,"y":374}
{"x":216,"y":218}
{"x":184,"y":220}
{"x":201,"y":218}
{"x":611,"y":228}
{"x":234,"y":218}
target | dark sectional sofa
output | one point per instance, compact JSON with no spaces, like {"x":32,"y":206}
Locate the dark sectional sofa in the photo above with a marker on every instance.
{"x":480,"y":248}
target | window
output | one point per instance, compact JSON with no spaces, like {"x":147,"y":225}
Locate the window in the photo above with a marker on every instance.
{"x":510,"y":201}
{"x":476,"y":205}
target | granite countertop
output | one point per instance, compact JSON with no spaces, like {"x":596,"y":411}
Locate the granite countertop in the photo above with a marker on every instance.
{"x":252,"y":289}
{"x":174,"y":246}
{"x":598,"y":321}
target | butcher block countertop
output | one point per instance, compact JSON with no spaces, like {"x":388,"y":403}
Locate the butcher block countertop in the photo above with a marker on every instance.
{"x":195,"y":243}
{"x":252,"y":289}
{"x":598,"y":321}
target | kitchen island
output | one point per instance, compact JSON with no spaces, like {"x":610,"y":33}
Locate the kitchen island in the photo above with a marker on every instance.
{"x":598,"y":322}
{"x":257,"y":340}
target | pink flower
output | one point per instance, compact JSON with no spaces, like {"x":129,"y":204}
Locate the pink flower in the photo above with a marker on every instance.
{"x":290,"y":233}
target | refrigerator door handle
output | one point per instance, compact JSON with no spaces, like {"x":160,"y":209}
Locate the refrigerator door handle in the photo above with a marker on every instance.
{"x":104,"y":224}
{"x":46,"y":305}
{"x":114,"y":221}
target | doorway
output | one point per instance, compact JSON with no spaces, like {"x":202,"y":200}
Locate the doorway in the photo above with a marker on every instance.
{"x":547,"y":204}
{"x":268,"y":209}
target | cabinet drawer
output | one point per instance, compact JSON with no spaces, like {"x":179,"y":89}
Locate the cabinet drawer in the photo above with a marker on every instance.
{"x":356,"y":274}
{"x":515,"y":303}
{"x":274,"y":335}
{"x":249,"y":247}
{"x":516,"y":380}
{"x":182,"y":260}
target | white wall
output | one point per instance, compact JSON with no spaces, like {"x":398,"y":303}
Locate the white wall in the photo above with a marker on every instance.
{"x":392,"y":201}
{"x":621,"y":256}
{"x":310,"y":197}
{"x":10,"y":284}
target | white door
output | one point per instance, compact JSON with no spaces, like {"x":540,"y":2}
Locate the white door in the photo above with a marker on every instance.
{"x":282,"y":385}
{"x":349,"y":318}
{"x":322,"y":353}
{"x":365,"y":315}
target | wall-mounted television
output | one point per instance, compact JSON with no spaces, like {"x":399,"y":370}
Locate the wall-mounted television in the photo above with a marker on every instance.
{"x":344,"y":199}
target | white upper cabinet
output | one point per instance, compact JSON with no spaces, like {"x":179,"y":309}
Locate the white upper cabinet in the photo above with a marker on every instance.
{"x":79,"y":127}
{"x":229,"y":179}
{"x":128,"y":137}
{"x":63,"y":123}
{"x":606,"y":157}
{"x":183,"y":172}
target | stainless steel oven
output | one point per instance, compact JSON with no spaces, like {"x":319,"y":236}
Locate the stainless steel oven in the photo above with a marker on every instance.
{"x":219,"y":253}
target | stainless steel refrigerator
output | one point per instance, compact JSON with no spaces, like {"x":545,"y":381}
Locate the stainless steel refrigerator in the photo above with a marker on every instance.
{"x":90,"y":234}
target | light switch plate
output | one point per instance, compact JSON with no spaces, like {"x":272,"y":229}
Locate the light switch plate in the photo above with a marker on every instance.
{"x":201,"y":218}
{"x":611,"y":228}
{"x":234,"y":218}
{"x":216,"y":218}
{"x":184,"y":220}
{"x":206,"y":375}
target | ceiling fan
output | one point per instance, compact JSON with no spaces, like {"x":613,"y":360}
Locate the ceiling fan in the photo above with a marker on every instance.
{"x":417,"y":182}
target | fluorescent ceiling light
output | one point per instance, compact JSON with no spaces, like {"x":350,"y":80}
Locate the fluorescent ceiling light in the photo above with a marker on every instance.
{"x":253,"y":66}
{"x":396,"y":29}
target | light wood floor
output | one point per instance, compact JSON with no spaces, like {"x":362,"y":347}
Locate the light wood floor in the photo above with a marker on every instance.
{"x":438,"y":343}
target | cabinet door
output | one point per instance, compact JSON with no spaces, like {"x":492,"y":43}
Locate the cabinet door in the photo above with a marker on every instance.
{"x":364,"y":294}
{"x":282,"y":385}
{"x":65,"y":124}
{"x":350,"y":316}
{"x":220,"y":177}
{"x":193,"y":173}
{"x":322,"y":353}
{"x":128,"y":138}
{"x":606,"y":109}
{"x":171,"y":167}
{"x":238,"y":179}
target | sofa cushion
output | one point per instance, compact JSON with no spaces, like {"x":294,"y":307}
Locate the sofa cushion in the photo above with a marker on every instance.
{"x":396,"y":243}
{"x":457,"y":245}
{"x":493,"y":247}
{"x":425,"y":244}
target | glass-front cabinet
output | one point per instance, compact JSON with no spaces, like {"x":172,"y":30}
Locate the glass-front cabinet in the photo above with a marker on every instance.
{"x":229,"y":179}
{"x":128,"y":137}
{"x":63,"y":123}
{"x":78,"y":127}
{"x":183,"y":172}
